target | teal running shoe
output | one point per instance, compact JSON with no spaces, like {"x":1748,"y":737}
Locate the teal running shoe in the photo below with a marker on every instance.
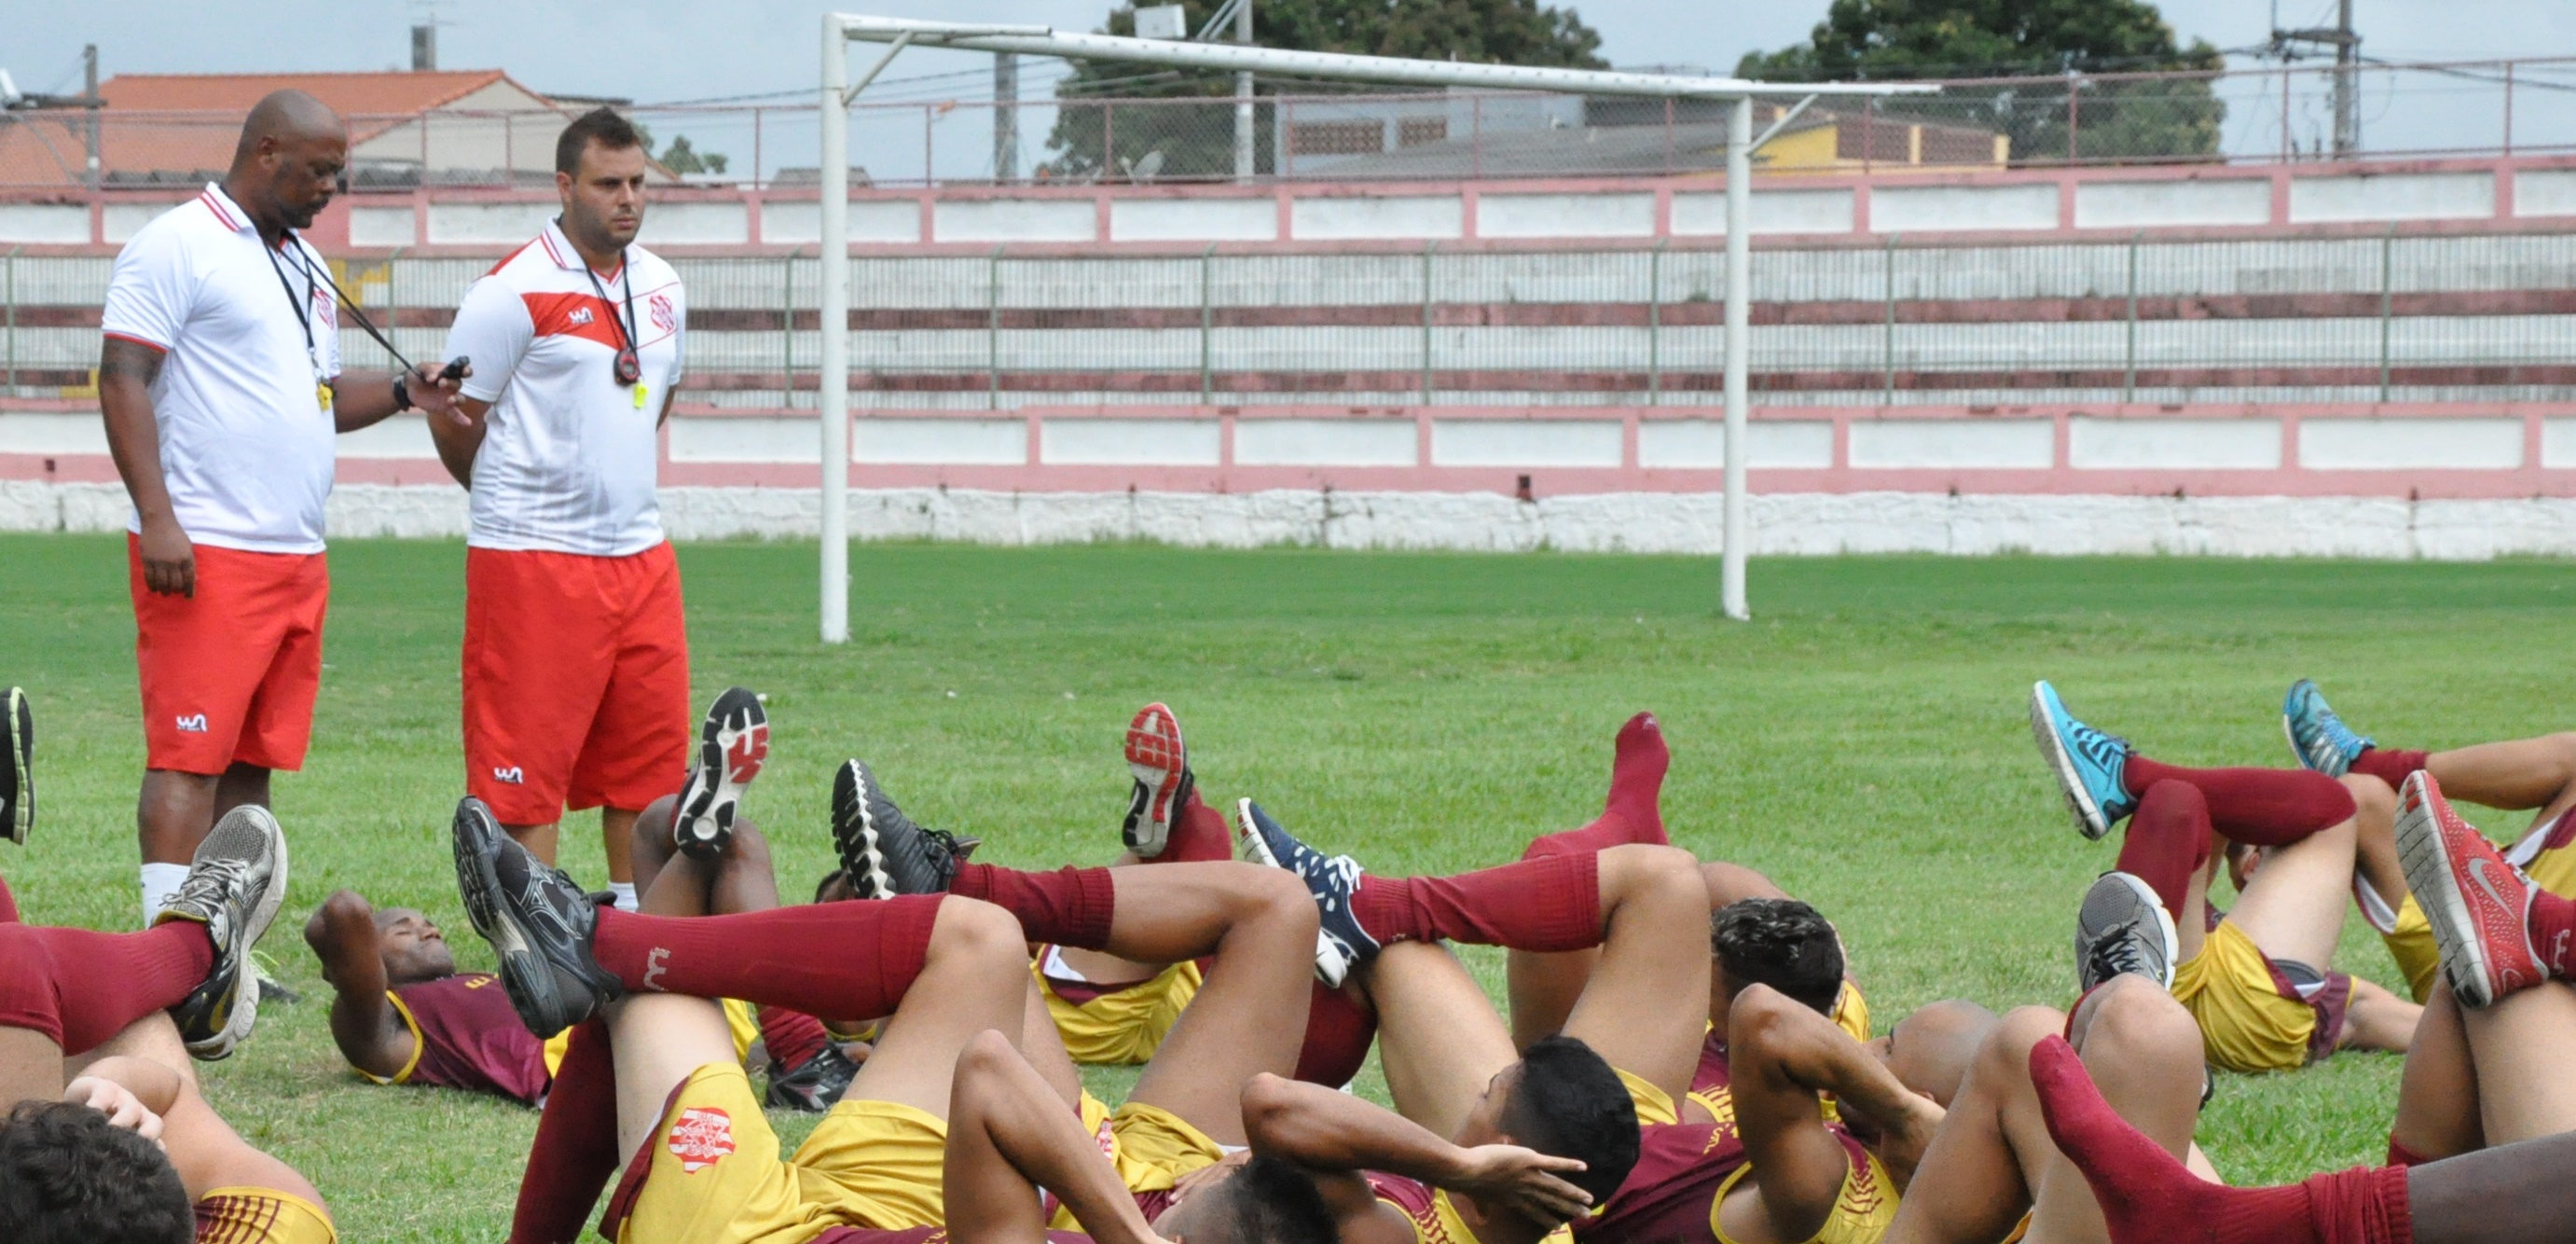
{"x":2087,"y":762}
{"x":2318,"y":738}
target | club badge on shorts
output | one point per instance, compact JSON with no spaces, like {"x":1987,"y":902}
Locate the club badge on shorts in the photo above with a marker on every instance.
{"x":701,"y":1137}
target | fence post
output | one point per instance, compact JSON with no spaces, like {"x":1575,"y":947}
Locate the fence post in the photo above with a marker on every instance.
{"x":993,"y":331}
{"x":2508,"y":110}
{"x":1207,"y":326}
{"x":787,"y":331}
{"x":1655,"y":324}
{"x":2387,"y":296}
{"x":1428,"y":250}
{"x":2129,"y":373}
{"x":1888,"y":348}
{"x":13,"y":319}
{"x":1476,"y":136}
{"x":929,"y":118}
{"x":2074,"y":94}
{"x":393,"y":302}
{"x":2288,"y":148}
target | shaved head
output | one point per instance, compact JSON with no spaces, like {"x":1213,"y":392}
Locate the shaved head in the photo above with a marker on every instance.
{"x":288,"y":165}
{"x":288,"y":117}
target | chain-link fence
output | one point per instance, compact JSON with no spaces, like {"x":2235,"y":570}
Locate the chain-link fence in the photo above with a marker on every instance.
{"x":2419,"y":318}
{"x":1299,"y":132}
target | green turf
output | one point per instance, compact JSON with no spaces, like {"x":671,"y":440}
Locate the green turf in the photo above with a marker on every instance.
{"x":1863,"y":742}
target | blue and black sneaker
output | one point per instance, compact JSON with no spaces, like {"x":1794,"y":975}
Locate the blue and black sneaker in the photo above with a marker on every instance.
{"x":2317,"y":737}
{"x":2087,"y":762}
{"x":1340,"y":943}
{"x":539,"y":923}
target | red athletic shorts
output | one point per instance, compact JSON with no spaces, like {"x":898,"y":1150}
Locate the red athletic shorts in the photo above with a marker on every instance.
{"x":228,"y":674}
{"x":576,"y":681}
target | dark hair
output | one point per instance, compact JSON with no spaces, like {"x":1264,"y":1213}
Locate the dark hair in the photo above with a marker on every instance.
{"x":599,"y":125}
{"x":1568,"y":1103}
{"x":68,"y":1176}
{"x":825,"y":885}
{"x":1782,"y":943}
{"x":1270,"y":1201}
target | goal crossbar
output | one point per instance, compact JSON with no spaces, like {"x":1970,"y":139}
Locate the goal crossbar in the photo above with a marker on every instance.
{"x":837,"y":93}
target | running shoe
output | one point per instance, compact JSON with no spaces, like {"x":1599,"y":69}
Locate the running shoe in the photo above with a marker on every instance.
{"x":2087,"y":762}
{"x":233,"y":888}
{"x":1161,"y":763}
{"x":1340,"y":943}
{"x":2479,"y":905}
{"x":18,"y":768}
{"x":2317,"y":737}
{"x":732,"y":743}
{"x":815,"y":1085}
{"x":2123,"y":928}
{"x":539,"y":923}
{"x":884,"y":852}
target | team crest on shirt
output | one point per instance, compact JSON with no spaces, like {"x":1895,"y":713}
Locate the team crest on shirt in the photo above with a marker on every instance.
{"x":701,"y":1137}
{"x":663,"y":316}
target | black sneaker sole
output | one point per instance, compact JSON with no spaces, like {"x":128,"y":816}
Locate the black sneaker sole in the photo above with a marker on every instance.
{"x":854,"y":832}
{"x":20,"y":739}
{"x":524,"y":974}
{"x":712,"y":797}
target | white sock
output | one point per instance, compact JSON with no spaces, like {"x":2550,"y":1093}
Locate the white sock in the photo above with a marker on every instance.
{"x":625,"y":892}
{"x":160,"y":882}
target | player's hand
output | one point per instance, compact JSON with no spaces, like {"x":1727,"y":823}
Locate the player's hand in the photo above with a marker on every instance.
{"x":1525,"y":1180}
{"x":113,"y":1100}
{"x":435,"y":394}
{"x":169,"y":559}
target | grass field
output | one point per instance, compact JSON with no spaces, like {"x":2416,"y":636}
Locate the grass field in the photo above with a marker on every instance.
{"x":1863,"y":742}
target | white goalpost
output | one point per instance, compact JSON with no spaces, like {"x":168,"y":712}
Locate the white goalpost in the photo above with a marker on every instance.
{"x":838,"y":92}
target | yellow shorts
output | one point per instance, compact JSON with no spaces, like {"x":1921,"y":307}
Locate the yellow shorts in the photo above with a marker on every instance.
{"x":1121,"y":1028}
{"x":2410,"y":942}
{"x":712,"y":1174}
{"x":2552,"y":868}
{"x":1862,"y":1210}
{"x":261,"y":1216}
{"x":1150,"y":1147}
{"x":2247,"y":1021}
{"x":1653,"y":1104}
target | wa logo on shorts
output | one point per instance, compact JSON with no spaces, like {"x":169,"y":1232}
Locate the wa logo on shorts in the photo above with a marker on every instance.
{"x":512,"y":774}
{"x":701,"y":1137}
{"x":192,"y":723}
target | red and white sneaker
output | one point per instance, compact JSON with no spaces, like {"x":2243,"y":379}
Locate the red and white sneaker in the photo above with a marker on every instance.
{"x":2478,"y":903}
{"x":1161,"y":765}
{"x":733,"y":744}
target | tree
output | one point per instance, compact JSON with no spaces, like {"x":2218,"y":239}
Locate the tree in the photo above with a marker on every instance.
{"x":682,"y":158}
{"x":2149,"y":119}
{"x":1197,"y":140}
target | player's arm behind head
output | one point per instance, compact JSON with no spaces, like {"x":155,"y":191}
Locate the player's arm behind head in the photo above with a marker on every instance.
{"x":69,"y":1176}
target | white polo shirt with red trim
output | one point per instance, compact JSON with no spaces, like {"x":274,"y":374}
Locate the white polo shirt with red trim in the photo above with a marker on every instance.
{"x":246,"y":447}
{"x":568,"y":462}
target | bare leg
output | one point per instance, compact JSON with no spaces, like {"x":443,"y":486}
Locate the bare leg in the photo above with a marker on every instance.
{"x":31,"y":1067}
{"x":2521,"y":1046}
{"x":2378,"y":1020}
{"x":2374,"y":819}
{"x":1654,"y":951}
{"x":1250,"y":1015}
{"x":669,"y":883}
{"x":1042,"y":1049}
{"x":1783,"y":1058}
{"x":206,"y":1151}
{"x":2293,"y":908}
{"x":1438,"y":1037}
{"x":2521,"y":773}
{"x":658,"y":1041}
{"x":1103,"y":968}
{"x":2503,"y":1195}
{"x":1007,"y":1138}
{"x":1544,"y":987}
{"x":173,"y":814}
{"x":974,"y":979}
{"x":540,"y":840}
{"x":616,"y":835}
{"x":2437,"y":1101}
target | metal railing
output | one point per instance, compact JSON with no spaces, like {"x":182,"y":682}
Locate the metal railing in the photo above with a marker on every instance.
{"x":2249,"y":115}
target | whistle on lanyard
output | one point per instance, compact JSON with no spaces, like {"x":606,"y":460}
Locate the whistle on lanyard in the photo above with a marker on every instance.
{"x":322,"y":394}
{"x":640,"y":391}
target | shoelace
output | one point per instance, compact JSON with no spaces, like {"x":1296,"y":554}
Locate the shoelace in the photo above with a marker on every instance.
{"x":2118,"y":953}
{"x":2103,"y":749}
{"x":210,"y":883}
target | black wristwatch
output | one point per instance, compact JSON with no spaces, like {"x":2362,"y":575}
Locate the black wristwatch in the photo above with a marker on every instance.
{"x":402,"y":391}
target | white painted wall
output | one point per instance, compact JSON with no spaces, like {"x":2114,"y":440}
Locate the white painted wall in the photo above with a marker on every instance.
{"x":1935,"y":209}
{"x":1129,"y":442}
{"x":1525,"y":443}
{"x":2558,"y":443}
{"x":1325,"y":442}
{"x":745,"y":438}
{"x":871,"y":220}
{"x":1700,"y":444}
{"x":1014,"y":220}
{"x":119,"y":222}
{"x":947,"y":442}
{"x":1362,"y":217}
{"x":401,"y":438}
{"x":2165,"y":204}
{"x":696,"y":224}
{"x":384,"y":226}
{"x":1773,"y":211}
{"x":2392,"y":196}
{"x":46,"y":432}
{"x":2545,"y":192}
{"x":1194,"y":220}
{"x":1565,"y":215}
{"x":45,"y":224}
{"x":1924,"y":444}
{"x":489,"y":224}
{"x":2094,"y":444}
{"x":2410,"y":444}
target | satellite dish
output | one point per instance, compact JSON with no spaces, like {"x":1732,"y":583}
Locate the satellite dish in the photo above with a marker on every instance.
{"x":1143,"y":170}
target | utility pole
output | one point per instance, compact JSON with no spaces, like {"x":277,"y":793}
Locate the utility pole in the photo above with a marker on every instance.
{"x":424,"y":47}
{"x":2346,"y":96}
{"x":1243,"y":169}
{"x":1006,"y":117}
{"x":90,"y":99}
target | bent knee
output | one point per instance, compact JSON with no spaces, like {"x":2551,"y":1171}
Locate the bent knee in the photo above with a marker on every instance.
{"x":2133,"y":1011}
{"x":973,"y":927}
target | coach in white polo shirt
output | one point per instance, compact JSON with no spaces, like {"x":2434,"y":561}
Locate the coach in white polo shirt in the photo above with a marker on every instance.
{"x":576,"y":655}
{"x":220,"y":381}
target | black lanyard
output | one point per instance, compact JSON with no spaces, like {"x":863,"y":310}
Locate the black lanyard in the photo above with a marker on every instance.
{"x":630,"y":365}
{"x":304,"y":309}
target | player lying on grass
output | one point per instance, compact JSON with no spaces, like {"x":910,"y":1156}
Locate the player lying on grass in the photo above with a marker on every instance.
{"x":1482,"y":1125}
{"x":2259,"y":977}
{"x":2537,"y":773}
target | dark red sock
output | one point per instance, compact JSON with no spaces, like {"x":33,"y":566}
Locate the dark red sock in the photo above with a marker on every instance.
{"x":80,"y":988}
{"x":1067,"y":907}
{"x":2390,"y":765}
{"x":1338,"y":1035}
{"x":2553,"y":932}
{"x":1548,"y":904}
{"x":2167,"y":841}
{"x":575,"y":1152}
{"x":2257,"y":807}
{"x":1637,"y":779}
{"x":2400,"y":1155}
{"x":2146,"y":1195}
{"x":1198,"y":836}
{"x":851,"y":959}
{"x":791,"y":1036}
